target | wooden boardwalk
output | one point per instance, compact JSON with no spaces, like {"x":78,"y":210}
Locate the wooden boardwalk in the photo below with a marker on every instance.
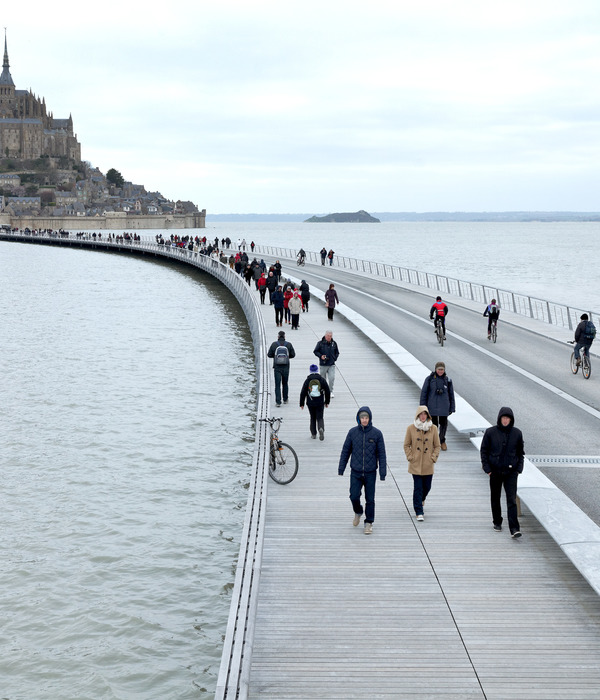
{"x":446,"y":608}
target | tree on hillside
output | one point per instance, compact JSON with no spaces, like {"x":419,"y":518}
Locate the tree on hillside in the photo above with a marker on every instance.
{"x":115,"y":177}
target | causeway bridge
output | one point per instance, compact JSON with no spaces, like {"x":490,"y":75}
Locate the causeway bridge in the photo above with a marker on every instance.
{"x":446,"y":608}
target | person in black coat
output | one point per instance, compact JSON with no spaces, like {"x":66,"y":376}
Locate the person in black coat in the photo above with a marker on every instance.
{"x":438,"y":395}
{"x":305,"y":294}
{"x":502,"y":457}
{"x":315,"y":392}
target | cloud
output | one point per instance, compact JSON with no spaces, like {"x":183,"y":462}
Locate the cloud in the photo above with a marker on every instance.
{"x":299,"y":105}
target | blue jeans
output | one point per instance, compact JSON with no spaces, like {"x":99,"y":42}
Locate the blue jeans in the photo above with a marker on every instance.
{"x":282,"y":372}
{"x":421,"y":487}
{"x":357,"y":481}
{"x":578,"y":347}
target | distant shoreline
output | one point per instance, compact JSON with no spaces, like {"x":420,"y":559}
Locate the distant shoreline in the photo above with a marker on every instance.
{"x":503,"y":216}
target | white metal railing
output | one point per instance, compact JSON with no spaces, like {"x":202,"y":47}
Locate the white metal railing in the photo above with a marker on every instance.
{"x":551,"y":312}
{"x":234,"y":673}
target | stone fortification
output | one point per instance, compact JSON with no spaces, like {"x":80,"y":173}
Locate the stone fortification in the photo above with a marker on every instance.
{"x":114,"y":222}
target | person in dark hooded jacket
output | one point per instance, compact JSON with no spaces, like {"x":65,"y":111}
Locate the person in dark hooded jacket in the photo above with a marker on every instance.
{"x":365,"y":447}
{"x":438,"y":395}
{"x":502,"y":456}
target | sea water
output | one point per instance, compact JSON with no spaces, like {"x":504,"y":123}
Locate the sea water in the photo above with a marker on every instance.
{"x":127,"y":430}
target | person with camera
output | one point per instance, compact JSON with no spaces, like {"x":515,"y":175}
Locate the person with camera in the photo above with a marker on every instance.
{"x":438,"y":395}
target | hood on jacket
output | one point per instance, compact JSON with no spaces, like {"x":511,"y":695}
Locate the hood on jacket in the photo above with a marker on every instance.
{"x":506,"y":411}
{"x":366,"y":409}
{"x":424,"y":408}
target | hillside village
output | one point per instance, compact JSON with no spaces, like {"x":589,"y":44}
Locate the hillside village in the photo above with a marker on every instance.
{"x":44,"y":182}
{"x":38,"y":188}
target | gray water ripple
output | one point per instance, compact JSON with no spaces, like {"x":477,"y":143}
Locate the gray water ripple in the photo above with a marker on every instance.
{"x":127,"y":434}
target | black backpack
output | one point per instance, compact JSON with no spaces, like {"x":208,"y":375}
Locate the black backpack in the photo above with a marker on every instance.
{"x":589,"y":332}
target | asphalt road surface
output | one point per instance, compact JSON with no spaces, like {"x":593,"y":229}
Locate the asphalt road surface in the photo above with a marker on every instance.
{"x":558,"y":412}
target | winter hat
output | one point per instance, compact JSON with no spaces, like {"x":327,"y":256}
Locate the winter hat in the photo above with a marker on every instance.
{"x":584,"y":317}
{"x":313,"y":368}
{"x":440,"y":364}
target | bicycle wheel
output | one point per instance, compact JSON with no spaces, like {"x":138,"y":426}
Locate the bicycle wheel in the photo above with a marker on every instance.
{"x":574,"y":365}
{"x":283,"y":465}
{"x":586,"y":366}
{"x":440,"y":334}
{"x":494,"y":332}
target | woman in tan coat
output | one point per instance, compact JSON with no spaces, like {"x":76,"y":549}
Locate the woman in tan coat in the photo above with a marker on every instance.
{"x":422,"y":448}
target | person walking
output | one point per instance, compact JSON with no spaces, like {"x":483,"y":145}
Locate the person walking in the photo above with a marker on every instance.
{"x":271,"y":285}
{"x":502,"y":456}
{"x":295,"y":307}
{"x":438,"y":395}
{"x":330,"y":256}
{"x":282,"y":352}
{"x":328,"y":352}
{"x":287,"y":295}
{"x":331,"y":299}
{"x":262,"y":287}
{"x":305,"y":294}
{"x":422,"y":448}
{"x":323,"y":255}
{"x":315,"y":392}
{"x":277,"y":301}
{"x":365,"y":447}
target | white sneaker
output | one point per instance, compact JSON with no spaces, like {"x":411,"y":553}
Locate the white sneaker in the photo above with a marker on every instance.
{"x":331,"y":394}
{"x":420,"y":517}
{"x":357,"y":517}
{"x":368,"y":528}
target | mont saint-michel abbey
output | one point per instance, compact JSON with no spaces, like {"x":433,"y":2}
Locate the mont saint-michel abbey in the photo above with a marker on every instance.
{"x":27,"y":130}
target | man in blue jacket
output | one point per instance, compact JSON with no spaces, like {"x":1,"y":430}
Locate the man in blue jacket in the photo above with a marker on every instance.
{"x":365,"y":447}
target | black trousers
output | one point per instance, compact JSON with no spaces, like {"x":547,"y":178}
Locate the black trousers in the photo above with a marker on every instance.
{"x":442,"y":422}
{"x":316,"y":418}
{"x":509,"y":481}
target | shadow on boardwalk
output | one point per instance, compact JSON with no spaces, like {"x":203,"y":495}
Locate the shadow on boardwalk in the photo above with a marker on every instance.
{"x":446,"y":608}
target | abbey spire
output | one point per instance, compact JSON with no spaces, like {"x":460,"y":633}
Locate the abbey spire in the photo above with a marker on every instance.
{"x":5,"y":78}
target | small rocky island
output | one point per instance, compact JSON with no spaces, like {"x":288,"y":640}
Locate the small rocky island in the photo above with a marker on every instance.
{"x":358,"y":217}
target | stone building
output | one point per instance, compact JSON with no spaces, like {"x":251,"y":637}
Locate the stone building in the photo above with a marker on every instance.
{"x":27,"y":130}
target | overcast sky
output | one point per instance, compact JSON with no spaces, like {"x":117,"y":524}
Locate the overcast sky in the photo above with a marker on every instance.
{"x":322,"y":106}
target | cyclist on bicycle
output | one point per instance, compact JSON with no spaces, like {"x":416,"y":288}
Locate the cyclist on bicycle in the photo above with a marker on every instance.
{"x":584,"y":336}
{"x":301,"y":256}
{"x":492,"y":311}
{"x":441,"y":311}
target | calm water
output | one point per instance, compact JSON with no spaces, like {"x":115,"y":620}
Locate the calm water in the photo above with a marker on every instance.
{"x":555,"y":261}
{"x":126,"y":451}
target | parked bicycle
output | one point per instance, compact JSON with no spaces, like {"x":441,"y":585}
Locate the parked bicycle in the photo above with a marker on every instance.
{"x":584,"y":361}
{"x":283,"y":460}
{"x":439,"y":331}
{"x":493,"y":330}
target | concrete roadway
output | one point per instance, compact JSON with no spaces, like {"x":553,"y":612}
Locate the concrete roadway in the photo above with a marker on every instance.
{"x":551,"y":424}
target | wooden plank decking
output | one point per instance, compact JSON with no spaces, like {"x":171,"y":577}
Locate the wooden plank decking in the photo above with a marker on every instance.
{"x":446,"y":608}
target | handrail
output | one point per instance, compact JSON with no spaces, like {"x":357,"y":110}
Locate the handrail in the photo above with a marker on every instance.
{"x":550,"y":312}
{"x":234,"y":673}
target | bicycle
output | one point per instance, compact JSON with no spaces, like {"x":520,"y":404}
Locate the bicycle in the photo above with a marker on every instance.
{"x":300,"y":261}
{"x":439,"y":331}
{"x":586,"y":364}
{"x":493,"y":335}
{"x":283,"y":460}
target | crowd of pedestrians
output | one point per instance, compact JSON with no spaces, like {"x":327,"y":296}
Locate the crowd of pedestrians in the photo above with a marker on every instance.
{"x":502,"y":451}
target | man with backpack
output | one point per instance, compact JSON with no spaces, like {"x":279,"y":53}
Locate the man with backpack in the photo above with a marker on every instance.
{"x":315,"y":391}
{"x":282,"y":352}
{"x":584,"y":336}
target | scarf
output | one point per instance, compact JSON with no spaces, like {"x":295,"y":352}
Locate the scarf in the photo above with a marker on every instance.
{"x":424,"y":426}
